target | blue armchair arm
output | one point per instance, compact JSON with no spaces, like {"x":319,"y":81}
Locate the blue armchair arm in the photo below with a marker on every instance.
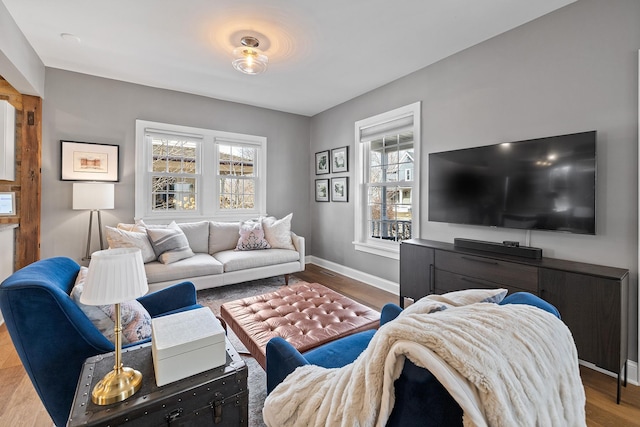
{"x":282,"y":359}
{"x":174,"y":298}
{"x":389,"y":312}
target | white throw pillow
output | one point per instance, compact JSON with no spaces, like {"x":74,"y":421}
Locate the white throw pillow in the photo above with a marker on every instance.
{"x":470,"y":296}
{"x":118,"y":238}
{"x":278,"y":232}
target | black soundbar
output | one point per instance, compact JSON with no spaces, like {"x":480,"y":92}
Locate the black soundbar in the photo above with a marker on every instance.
{"x":507,"y":248}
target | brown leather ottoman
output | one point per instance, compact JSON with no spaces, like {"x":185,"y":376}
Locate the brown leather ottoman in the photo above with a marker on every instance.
{"x":307,"y":315}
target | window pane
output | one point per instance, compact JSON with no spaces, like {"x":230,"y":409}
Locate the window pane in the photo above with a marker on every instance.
{"x":237,"y":193}
{"x":170,"y":193}
{"x":389,"y":212}
{"x":390,"y":157}
{"x":173,"y":155}
{"x":236,"y":160}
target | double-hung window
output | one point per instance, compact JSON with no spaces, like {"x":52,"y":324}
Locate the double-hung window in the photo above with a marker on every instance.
{"x":175,"y":171}
{"x":237,"y":181}
{"x":189,"y":173}
{"x":388,"y":170}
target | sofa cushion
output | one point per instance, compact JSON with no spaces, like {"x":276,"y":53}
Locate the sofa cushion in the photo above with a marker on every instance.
{"x":223,"y":236}
{"x":197,"y":234}
{"x":242,"y":260}
{"x":119,"y":238}
{"x":278,"y":232}
{"x":197,"y":265}
{"x":252,"y":236}
{"x":170,"y":244}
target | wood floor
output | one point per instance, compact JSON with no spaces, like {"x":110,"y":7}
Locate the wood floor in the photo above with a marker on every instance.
{"x":20,"y":405}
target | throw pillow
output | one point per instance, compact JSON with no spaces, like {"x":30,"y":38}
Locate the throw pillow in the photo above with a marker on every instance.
{"x":136,"y":321}
{"x":197,"y":235}
{"x":119,"y":238}
{"x":278,"y":232}
{"x":223,"y":236}
{"x":470,"y":296}
{"x":169,"y":244}
{"x":252,"y":237}
{"x":140,"y":225}
{"x":100,"y":320}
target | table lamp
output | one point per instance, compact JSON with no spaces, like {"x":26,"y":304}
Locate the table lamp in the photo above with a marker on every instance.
{"x":93,"y":196}
{"x":115,"y":276}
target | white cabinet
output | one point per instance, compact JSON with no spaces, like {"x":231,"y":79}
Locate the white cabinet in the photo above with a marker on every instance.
{"x":7,"y":141}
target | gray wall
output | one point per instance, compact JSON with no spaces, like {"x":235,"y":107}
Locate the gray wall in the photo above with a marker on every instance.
{"x":573,"y":70}
{"x":79,"y":107}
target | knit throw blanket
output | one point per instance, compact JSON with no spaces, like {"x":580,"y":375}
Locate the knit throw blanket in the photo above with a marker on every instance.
{"x":505,"y":366}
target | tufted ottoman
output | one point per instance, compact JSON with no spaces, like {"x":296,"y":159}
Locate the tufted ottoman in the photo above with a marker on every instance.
{"x":307,"y":315}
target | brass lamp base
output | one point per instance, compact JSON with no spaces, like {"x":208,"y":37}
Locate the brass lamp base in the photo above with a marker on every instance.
{"x":116,"y":386}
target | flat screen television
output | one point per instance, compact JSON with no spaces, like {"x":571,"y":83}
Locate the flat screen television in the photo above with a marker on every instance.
{"x":539,"y":184}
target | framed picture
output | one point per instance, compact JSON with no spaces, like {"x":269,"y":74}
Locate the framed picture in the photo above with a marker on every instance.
{"x":8,"y":203}
{"x":322,"y":190}
{"x":87,"y":161}
{"x":340,"y":160}
{"x":322,"y":162}
{"x":340,"y":189}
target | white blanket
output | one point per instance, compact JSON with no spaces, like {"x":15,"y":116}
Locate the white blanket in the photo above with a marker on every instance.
{"x":504,"y":365}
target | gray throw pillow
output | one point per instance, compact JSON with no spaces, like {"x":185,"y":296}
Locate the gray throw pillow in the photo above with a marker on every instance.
{"x":170,"y":244}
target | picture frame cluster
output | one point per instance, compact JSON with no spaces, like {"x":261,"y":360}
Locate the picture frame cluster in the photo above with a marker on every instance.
{"x":334,"y":189}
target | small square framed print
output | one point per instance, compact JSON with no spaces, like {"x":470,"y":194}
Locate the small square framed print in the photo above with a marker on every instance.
{"x":340,"y":160}
{"x":322,"y":162}
{"x":340,"y":189}
{"x":322,"y":190}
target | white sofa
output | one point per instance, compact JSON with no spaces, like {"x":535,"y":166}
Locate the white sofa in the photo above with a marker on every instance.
{"x":215,"y":260}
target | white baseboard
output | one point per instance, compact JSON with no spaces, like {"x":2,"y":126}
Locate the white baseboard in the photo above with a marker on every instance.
{"x":385,"y":285}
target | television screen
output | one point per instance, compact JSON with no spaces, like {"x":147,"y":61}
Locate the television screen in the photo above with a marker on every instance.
{"x":540,"y":184}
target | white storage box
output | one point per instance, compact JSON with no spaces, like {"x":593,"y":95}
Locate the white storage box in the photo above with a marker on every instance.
{"x":185,"y":344}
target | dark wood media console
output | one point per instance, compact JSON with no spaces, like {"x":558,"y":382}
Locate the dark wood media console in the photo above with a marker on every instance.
{"x":592,"y":299}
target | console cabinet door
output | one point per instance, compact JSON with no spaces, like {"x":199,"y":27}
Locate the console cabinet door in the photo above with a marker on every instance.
{"x":591,"y":307}
{"x":416,"y":271}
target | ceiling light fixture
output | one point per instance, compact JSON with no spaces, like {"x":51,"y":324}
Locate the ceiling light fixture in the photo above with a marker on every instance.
{"x":249,"y":59}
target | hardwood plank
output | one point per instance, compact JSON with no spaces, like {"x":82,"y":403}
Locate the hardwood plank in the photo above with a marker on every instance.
{"x":354,"y":289}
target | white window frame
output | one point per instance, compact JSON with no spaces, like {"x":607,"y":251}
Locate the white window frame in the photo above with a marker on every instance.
{"x":362,"y":241}
{"x":208,"y":205}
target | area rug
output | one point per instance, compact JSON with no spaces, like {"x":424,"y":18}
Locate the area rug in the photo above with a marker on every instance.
{"x":257,"y":381}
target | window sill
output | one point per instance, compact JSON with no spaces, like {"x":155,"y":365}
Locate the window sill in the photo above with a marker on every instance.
{"x":391,"y":250}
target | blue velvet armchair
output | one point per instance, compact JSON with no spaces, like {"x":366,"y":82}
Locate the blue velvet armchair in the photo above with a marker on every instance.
{"x":52,"y":335}
{"x":420,"y":400}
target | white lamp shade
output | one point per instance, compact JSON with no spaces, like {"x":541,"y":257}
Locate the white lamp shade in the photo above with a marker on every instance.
{"x":114,"y":276}
{"x":93,"y":195}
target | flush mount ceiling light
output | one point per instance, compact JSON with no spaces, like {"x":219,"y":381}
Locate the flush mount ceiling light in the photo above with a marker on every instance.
{"x":249,"y":59}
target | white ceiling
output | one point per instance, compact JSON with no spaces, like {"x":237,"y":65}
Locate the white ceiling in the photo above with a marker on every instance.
{"x":321,"y":53}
